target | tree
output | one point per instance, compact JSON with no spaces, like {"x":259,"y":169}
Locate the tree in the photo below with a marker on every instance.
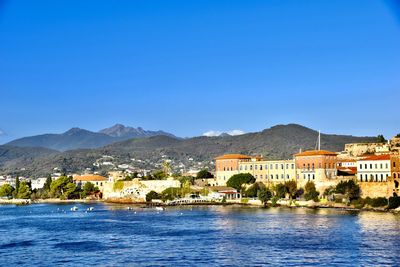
{"x":381,"y":139}
{"x":24,"y":192}
{"x":348,"y":188}
{"x":170,"y":193}
{"x":280,"y":190}
{"x":57,"y":187}
{"x":167,"y":168}
{"x":311,"y":192}
{"x":47,"y":184}
{"x":70,"y":191}
{"x":16,"y":185}
{"x":237,"y":180}
{"x":88,"y":189}
{"x":6,"y":190}
{"x":204,"y":174}
{"x":185,"y":188}
{"x":253,"y":190}
{"x":152,"y":195}
{"x":291,"y":188}
{"x":264,"y":195}
{"x":160,"y":175}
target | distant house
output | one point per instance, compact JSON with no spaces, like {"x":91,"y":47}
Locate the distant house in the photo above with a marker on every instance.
{"x":97,"y":180}
{"x":229,"y":193}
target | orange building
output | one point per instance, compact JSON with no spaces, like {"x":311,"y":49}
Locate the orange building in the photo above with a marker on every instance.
{"x":395,"y":175}
{"x":228,"y":165}
{"x":97,"y":180}
{"x":316,"y":165}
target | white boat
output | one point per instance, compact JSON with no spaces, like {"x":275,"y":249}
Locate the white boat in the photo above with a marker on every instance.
{"x":74,"y":208}
{"x":160,"y":208}
{"x":90,"y":209}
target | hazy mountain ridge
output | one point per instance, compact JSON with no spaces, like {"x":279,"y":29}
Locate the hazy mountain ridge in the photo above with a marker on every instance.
{"x":77,"y":138}
{"x":278,"y":142}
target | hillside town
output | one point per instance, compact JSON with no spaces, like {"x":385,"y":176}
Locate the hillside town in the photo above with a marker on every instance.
{"x":373,"y":167}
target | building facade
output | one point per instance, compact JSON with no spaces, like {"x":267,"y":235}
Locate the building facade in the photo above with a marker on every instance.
{"x":316,"y":165}
{"x":374,"y":168}
{"x":228,"y":165}
{"x":395,"y":175}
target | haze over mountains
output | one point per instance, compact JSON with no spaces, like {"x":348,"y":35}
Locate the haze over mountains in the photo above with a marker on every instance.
{"x":77,"y":138}
{"x":278,"y":142}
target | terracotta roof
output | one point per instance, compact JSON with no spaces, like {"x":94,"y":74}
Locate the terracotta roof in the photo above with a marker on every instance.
{"x":316,"y":153}
{"x":90,"y":177}
{"x":221,"y":188}
{"x":376,"y":157}
{"x":233,"y":156}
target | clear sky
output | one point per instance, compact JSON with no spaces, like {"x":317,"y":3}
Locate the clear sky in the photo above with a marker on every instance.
{"x":189,"y":67}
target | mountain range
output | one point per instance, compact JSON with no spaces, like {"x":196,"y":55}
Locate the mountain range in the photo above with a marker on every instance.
{"x":77,"y":138}
{"x":278,"y":142}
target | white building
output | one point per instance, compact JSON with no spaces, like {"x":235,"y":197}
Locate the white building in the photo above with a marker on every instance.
{"x":373,"y":169}
{"x":38,"y":183}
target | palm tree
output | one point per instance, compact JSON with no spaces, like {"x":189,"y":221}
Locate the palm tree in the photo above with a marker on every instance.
{"x":167,"y":167}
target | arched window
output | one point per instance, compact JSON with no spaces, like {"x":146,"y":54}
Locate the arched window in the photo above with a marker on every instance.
{"x":272,"y":176}
{"x":251,"y":167}
{"x":260,"y":167}
{"x":361,"y":177}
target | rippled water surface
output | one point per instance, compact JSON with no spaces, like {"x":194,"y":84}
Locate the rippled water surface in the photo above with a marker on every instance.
{"x":111,"y":235}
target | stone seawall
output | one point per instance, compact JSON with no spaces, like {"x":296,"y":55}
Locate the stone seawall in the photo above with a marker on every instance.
{"x":374,"y":189}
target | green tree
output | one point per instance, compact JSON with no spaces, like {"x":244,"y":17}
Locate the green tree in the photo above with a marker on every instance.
{"x":152,"y":195}
{"x":167,"y":168}
{"x":88,"y":189}
{"x":204,"y":174}
{"x":348,"y":188}
{"x":170,"y":193}
{"x":160,"y":175}
{"x":24,"y":192}
{"x":280,"y":190}
{"x":185,"y":188}
{"x":6,"y":190}
{"x":47,"y":184}
{"x":70,"y":191}
{"x":17,"y":182}
{"x":264,"y":195}
{"x":311,"y":192}
{"x":291,"y":188}
{"x":253,"y":190}
{"x":57,"y":187}
{"x":237,"y":180}
{"x":381,"y":139}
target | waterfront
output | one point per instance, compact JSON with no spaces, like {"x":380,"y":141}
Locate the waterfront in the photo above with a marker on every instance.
{"x":50,"y":234}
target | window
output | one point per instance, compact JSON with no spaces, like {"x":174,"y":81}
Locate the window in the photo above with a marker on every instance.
{"x":272,"y":167}
{"x":370,"y":166}
{"x":313,"y":166}
{"x":319,"y":165}
{"x":224,"y":168}
{"x":251,"y":167}
{"x":381,"y":177}
{"x":282,"y":166}
{"x":287,"y":176}
{"x":241,"y":167}
{"x":304,"y":176}
{"x":360,"y":166}
{"x":261,"y":176}
{"x":287,"y":166}
{"x":255,"y":167}
{"x":277,"y":176}
{"x":276,"y":166}
{"x":308,"y":166}
{"x":282,"y":177}
{"x":376,"y":166}
{"x":292,"y":166}
{"x":260,"y":167}
{"x":231,"y":169}
{"x":255,"y":177}
{"x":366,"y":166}
{"x":313,"y":176}
{"x":386,"y":166}
{"x":266,"y":166}
{"x":394,"y":164}
{"x":361,"y":177}
{"x":272,"y":177}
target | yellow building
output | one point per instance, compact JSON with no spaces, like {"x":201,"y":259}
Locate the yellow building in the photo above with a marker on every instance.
{"x":269,"y":171}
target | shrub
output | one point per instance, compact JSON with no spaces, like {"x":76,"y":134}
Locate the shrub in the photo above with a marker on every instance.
{"x":376,"y":202}
{"x":280,"y":190}
{"x":274,"y":201}
{"x":358,"y":203}
{"x":118,"y":186}
{"x":152,"y":195}
{"x":394,"y":202}
{"x":311,"y":192}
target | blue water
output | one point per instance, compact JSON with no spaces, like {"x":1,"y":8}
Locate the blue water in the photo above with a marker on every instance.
{"x":52,"y":235}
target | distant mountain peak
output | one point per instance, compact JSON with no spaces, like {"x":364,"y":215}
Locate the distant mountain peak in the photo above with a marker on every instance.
{"x":120,"y":131}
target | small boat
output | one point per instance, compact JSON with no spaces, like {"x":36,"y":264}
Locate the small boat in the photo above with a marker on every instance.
{"x":160,"y":208}
{"x":74,"y":208}
{"x":90,"y":209}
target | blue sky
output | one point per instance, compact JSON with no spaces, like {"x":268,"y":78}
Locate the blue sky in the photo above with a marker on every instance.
{"x":189,"y":67}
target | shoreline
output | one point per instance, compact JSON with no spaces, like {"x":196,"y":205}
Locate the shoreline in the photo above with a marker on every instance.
{"x":308,"y":205}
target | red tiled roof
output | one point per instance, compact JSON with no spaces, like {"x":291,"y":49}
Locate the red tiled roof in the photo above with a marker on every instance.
{"x":376,"y":157}
{"x":89,"y":178}
{"x":233,"y":156}
{"x":316,"y":153}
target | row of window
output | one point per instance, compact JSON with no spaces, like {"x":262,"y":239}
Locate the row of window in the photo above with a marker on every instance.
{"x":365,"y":166}
{"x":272,"y":176}
{"x":372,"y":177}
{"x":271,"y":167}
{"x":312,"y":166}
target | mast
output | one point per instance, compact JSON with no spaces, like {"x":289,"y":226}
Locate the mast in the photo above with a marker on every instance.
{"x":319,"y":140}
